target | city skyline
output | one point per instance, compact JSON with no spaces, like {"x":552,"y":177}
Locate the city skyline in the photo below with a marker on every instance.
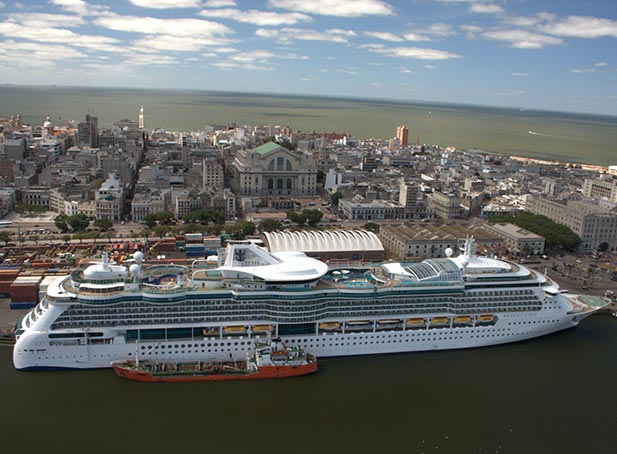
{"x":538,"y":55}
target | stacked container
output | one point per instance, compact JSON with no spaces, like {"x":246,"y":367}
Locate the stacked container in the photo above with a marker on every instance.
{"x":195,"y":245}
{"x":25,"y":291}
{"x":7,"y":276}
{"x":212,"y":244}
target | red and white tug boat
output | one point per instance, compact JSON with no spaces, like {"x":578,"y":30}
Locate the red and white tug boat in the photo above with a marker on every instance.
{"x":270,"y":360}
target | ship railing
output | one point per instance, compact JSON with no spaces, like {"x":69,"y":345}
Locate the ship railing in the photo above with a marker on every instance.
{"x":77,"y":276}
{"x":203,"y":274}
{"x":158,"y":270}
{"x":156,"y":290}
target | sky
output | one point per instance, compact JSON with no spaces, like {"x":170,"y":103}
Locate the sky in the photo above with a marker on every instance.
{"x":538,"y":54}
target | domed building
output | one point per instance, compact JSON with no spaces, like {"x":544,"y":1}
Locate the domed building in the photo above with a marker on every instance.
{"x":328,"y":244}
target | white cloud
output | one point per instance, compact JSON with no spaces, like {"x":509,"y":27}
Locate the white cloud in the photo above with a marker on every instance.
{"x":414,"y":52}
{"x":581,"y":27}
{"x":235,"y":65}
{"x":44,"y":20}
{"x":355,"y":8}
{"x":38,"y":54}
{"x":520,"y":74}
{"x":385,"y":36}
{"x":405,"y":71}
{"x":583,"y":71}
{"x":225,"y":50}
{"x":416,"y":37}
{"x":165,"y":4}
{"x":2,"y":5}
{"x":292,"y":56}
{"x":288,"y":34}
{"x":529,"y":21}
{"x":219,"y":3}
{"x":168,"y":27}
{"x":471,"y":28}
{"x":252,"y":56}
{"x":438,"y":29}
{"x":19,"y":5}
{"x":177,"y":43}
{"x":522,"y":39}
{"x":150,"y":59}
{"x":80,"y":7}
{"x":58,"y":35}
{"x":429,"y":67}
{"x":371,"y":47}
{"x":601,"y":64}
{"x":259,"y":18}
{"x":339,"y":31}
{"x":347,"y":70}
{"x":485,"y":8}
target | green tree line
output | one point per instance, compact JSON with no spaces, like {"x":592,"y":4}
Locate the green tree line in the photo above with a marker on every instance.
{"x":557,"y":236}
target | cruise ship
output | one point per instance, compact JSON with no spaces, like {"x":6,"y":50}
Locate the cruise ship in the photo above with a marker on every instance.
{"x":219,"y":310}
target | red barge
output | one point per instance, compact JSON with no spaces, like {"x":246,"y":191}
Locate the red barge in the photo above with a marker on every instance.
{"x":271,"y":360}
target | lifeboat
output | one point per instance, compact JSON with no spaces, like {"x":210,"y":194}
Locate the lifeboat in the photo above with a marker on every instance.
{"x":415,"y":322}
{"x":329,"y":326}
{"x":485,"y":319}
{"x":357,"y":325}
{"x":388,"y":324}
{"x":462,"y":320}
{"x":212,"y":331}
{"x":439,"y":321}
{"x":234,"y":329}
{"x":262,"y":328}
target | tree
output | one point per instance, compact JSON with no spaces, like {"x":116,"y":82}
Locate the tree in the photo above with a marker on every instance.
{"x":61,"y":224}
{"x":335,"y":197}
{"x":78,"y":222}
{"x":312,"y":216}
{"x":165,"y":218}
{"x":145,"y":233}
{"x":247,"y":228}
{"x":372,"y":226}
{"x":92,"y":235}
{"x":66,"y":238}
{"x":161,"y":230}
{"x":269,"y":225}
{"x":557,"y":236}
{"x":35,"y":238}
{"x":103,"y":224}
{"x":6,"y":237}
{"x":149,"y":220}
{"x":297,"y":218}
{"x":240,"y":230}
{"x":205,"y":216}
{"x":214,"y":229}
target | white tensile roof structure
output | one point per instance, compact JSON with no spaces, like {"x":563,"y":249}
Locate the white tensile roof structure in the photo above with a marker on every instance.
{"x":315,"y":241}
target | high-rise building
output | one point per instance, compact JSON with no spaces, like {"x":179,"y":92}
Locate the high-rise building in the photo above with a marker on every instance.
{"x":141,"y":121}
{"x":402,"y":134}
{"x":408,"y":197}
{"x":88,"y":132}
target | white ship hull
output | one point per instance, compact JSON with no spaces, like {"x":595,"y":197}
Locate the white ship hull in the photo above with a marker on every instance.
{"x":100,"y":315}
{"x":31,"y":352}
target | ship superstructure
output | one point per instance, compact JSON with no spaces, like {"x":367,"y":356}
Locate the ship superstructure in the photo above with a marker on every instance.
{"x":109,"y":312}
